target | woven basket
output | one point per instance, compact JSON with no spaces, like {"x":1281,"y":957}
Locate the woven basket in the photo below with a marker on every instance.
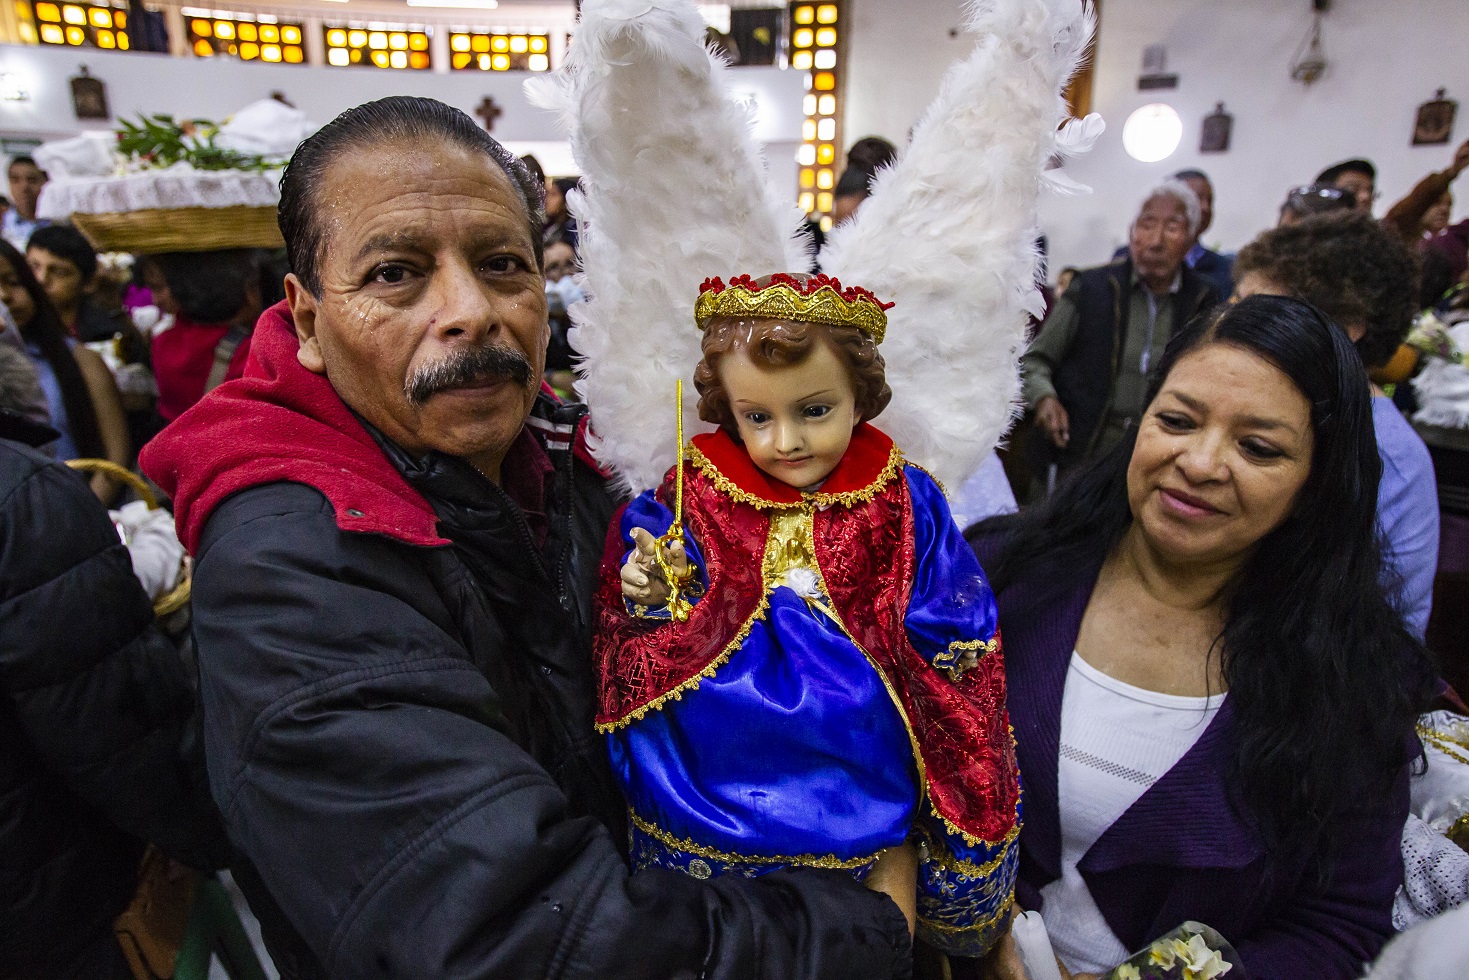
{"x":181,"y":229}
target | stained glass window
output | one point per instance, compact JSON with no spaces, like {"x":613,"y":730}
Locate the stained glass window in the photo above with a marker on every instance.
{"x":244,"y":36}
{"x":499,"y":51}
{"x":373,"y":45}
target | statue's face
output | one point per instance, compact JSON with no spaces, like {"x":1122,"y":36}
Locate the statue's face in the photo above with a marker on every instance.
{"x":796,"y":420}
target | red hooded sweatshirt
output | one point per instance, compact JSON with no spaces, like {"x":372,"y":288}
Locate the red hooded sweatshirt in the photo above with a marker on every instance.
{"x":282,"y":422}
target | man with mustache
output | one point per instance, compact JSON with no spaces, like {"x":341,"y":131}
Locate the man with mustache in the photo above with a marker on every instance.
{"x":397,"y":535}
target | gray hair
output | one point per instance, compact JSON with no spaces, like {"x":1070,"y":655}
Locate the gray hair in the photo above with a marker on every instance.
{"x":1184,"y":194}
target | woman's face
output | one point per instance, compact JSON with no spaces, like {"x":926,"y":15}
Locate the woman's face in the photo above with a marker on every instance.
{"x":796,"y":420}
{"x":1222,"y":454}
{"x":13,"y":294}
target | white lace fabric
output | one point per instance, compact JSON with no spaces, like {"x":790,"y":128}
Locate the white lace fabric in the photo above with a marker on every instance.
{"x":179,"y":186}
{"x":1435,"y":869}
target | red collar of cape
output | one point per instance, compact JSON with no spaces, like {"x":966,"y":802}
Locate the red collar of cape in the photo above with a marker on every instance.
{"x":281,"y":422}
{"x":871,"y":462}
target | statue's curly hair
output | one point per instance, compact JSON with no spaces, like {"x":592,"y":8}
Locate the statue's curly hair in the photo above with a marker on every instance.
{"x":1350,"y":267}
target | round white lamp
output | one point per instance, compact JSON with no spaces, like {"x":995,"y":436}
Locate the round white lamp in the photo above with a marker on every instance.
{"x":1152,"y":133}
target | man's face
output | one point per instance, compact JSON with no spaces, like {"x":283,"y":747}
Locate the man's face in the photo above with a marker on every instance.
{"x":60,"y":277}
{"x":560,"y":261}
{"x":26,"y":181}
{"x":1359,"y":185}
{"x":1160,"y":238}
{"x":431,"y":322}
{"x":1436,"y":218}
{"x":1205,"y":191}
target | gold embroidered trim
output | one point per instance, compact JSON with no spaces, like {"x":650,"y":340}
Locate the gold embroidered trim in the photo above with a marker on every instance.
{"x":828,"y":861}
{"x":728,"y":487}
{"x":936,"y":481}
{"x":952,"y":663}
{"x":947,"y":859}
{"x":677,"y":693}
{"x":1444,"y":742}
{"x":987,"y":922}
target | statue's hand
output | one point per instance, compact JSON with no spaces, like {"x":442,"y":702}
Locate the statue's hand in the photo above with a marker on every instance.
{"x":643,"y":581}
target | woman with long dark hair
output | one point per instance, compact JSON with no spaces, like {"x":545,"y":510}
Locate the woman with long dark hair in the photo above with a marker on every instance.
{"x":1212,"y":698}
{"x":83,"y":399}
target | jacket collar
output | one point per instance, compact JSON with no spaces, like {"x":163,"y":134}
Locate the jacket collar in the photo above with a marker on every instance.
{"x":871,"y":462}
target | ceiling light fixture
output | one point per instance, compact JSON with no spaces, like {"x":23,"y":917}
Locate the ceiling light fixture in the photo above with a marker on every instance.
{"x":1152,"y":133}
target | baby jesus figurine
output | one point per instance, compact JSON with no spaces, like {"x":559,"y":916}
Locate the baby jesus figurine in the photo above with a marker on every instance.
{"x":811,"y":675}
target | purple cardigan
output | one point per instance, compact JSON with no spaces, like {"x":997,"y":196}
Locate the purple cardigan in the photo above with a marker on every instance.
{"x":1183,"y":850}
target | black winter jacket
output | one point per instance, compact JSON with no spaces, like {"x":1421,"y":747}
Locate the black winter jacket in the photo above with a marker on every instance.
{"x":400,"y":739}
{"x":94,"y":704}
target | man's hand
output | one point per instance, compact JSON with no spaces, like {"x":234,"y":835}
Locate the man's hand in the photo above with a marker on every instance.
{"x":896,"y":875}
{"x":642,"y":578}
{"x":1051,"y":416}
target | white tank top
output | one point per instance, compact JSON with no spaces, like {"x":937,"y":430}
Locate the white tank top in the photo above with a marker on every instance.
{"x":1116,"y":741}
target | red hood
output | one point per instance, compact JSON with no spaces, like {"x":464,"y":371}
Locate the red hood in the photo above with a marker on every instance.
{"x":282,"y":422}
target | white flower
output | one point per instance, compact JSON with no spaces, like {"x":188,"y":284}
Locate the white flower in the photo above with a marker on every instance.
{"x":1200,"y":962}
{"x":1127,"y":972}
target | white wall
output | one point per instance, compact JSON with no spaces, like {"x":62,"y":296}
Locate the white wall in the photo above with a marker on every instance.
{"x":214,"y":88}
{"x":1386,"y":57}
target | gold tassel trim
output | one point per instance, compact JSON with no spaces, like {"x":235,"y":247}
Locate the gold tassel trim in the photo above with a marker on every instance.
{"x":829,"y":861}
{"x":728,"y":487}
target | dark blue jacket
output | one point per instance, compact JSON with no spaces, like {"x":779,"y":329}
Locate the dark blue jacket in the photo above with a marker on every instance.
{"x":94,"y":707}
{"x":1186,"y":849}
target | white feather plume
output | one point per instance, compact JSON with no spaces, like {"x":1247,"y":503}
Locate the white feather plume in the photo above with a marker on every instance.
{"x":949,"y":232}
{"x":674,"y":191}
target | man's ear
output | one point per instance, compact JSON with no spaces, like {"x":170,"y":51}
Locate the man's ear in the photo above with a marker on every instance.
{"x":1356,"y":330}
{"x":303,"y":314}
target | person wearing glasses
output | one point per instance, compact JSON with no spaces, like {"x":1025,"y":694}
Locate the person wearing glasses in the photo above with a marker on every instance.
{"x":1312,"y":199}
{"x":1357,"y":177}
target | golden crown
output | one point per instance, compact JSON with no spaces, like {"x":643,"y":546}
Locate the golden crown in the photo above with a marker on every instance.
{"x":817,"y":299}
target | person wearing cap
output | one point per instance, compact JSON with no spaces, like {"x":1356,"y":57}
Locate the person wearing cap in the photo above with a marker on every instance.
{"x":1357,"y":177}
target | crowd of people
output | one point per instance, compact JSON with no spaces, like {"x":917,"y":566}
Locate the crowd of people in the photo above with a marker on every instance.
{"x":1230,"y":591}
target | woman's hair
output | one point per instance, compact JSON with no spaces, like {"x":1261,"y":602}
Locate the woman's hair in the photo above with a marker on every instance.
{"x":209,"y":287}
{"x":48,"y":335}
{"x":1324,"y":680}
{"x":1348,"y":265}
{"x":782,"y":343}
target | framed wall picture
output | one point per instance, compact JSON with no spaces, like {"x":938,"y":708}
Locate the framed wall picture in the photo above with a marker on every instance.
{"x":89,"y":96}
{"x":1435,"y":123}
{"x":1218,"y":127}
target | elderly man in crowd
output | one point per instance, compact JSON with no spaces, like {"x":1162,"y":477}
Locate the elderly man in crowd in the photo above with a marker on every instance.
{"x":397,"y":537}
{"x":1217,"y":267}
{"x":1085,"y":375}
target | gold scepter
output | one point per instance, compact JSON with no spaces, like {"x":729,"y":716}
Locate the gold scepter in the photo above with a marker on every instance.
{"x":678,"y":606}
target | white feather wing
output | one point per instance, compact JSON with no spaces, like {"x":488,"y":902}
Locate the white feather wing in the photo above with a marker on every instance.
{"x":674,"y":192}
{"x":949,"y":231}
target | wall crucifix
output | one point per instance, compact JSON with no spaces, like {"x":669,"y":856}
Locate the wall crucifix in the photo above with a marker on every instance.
{"x":488,"y":111}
